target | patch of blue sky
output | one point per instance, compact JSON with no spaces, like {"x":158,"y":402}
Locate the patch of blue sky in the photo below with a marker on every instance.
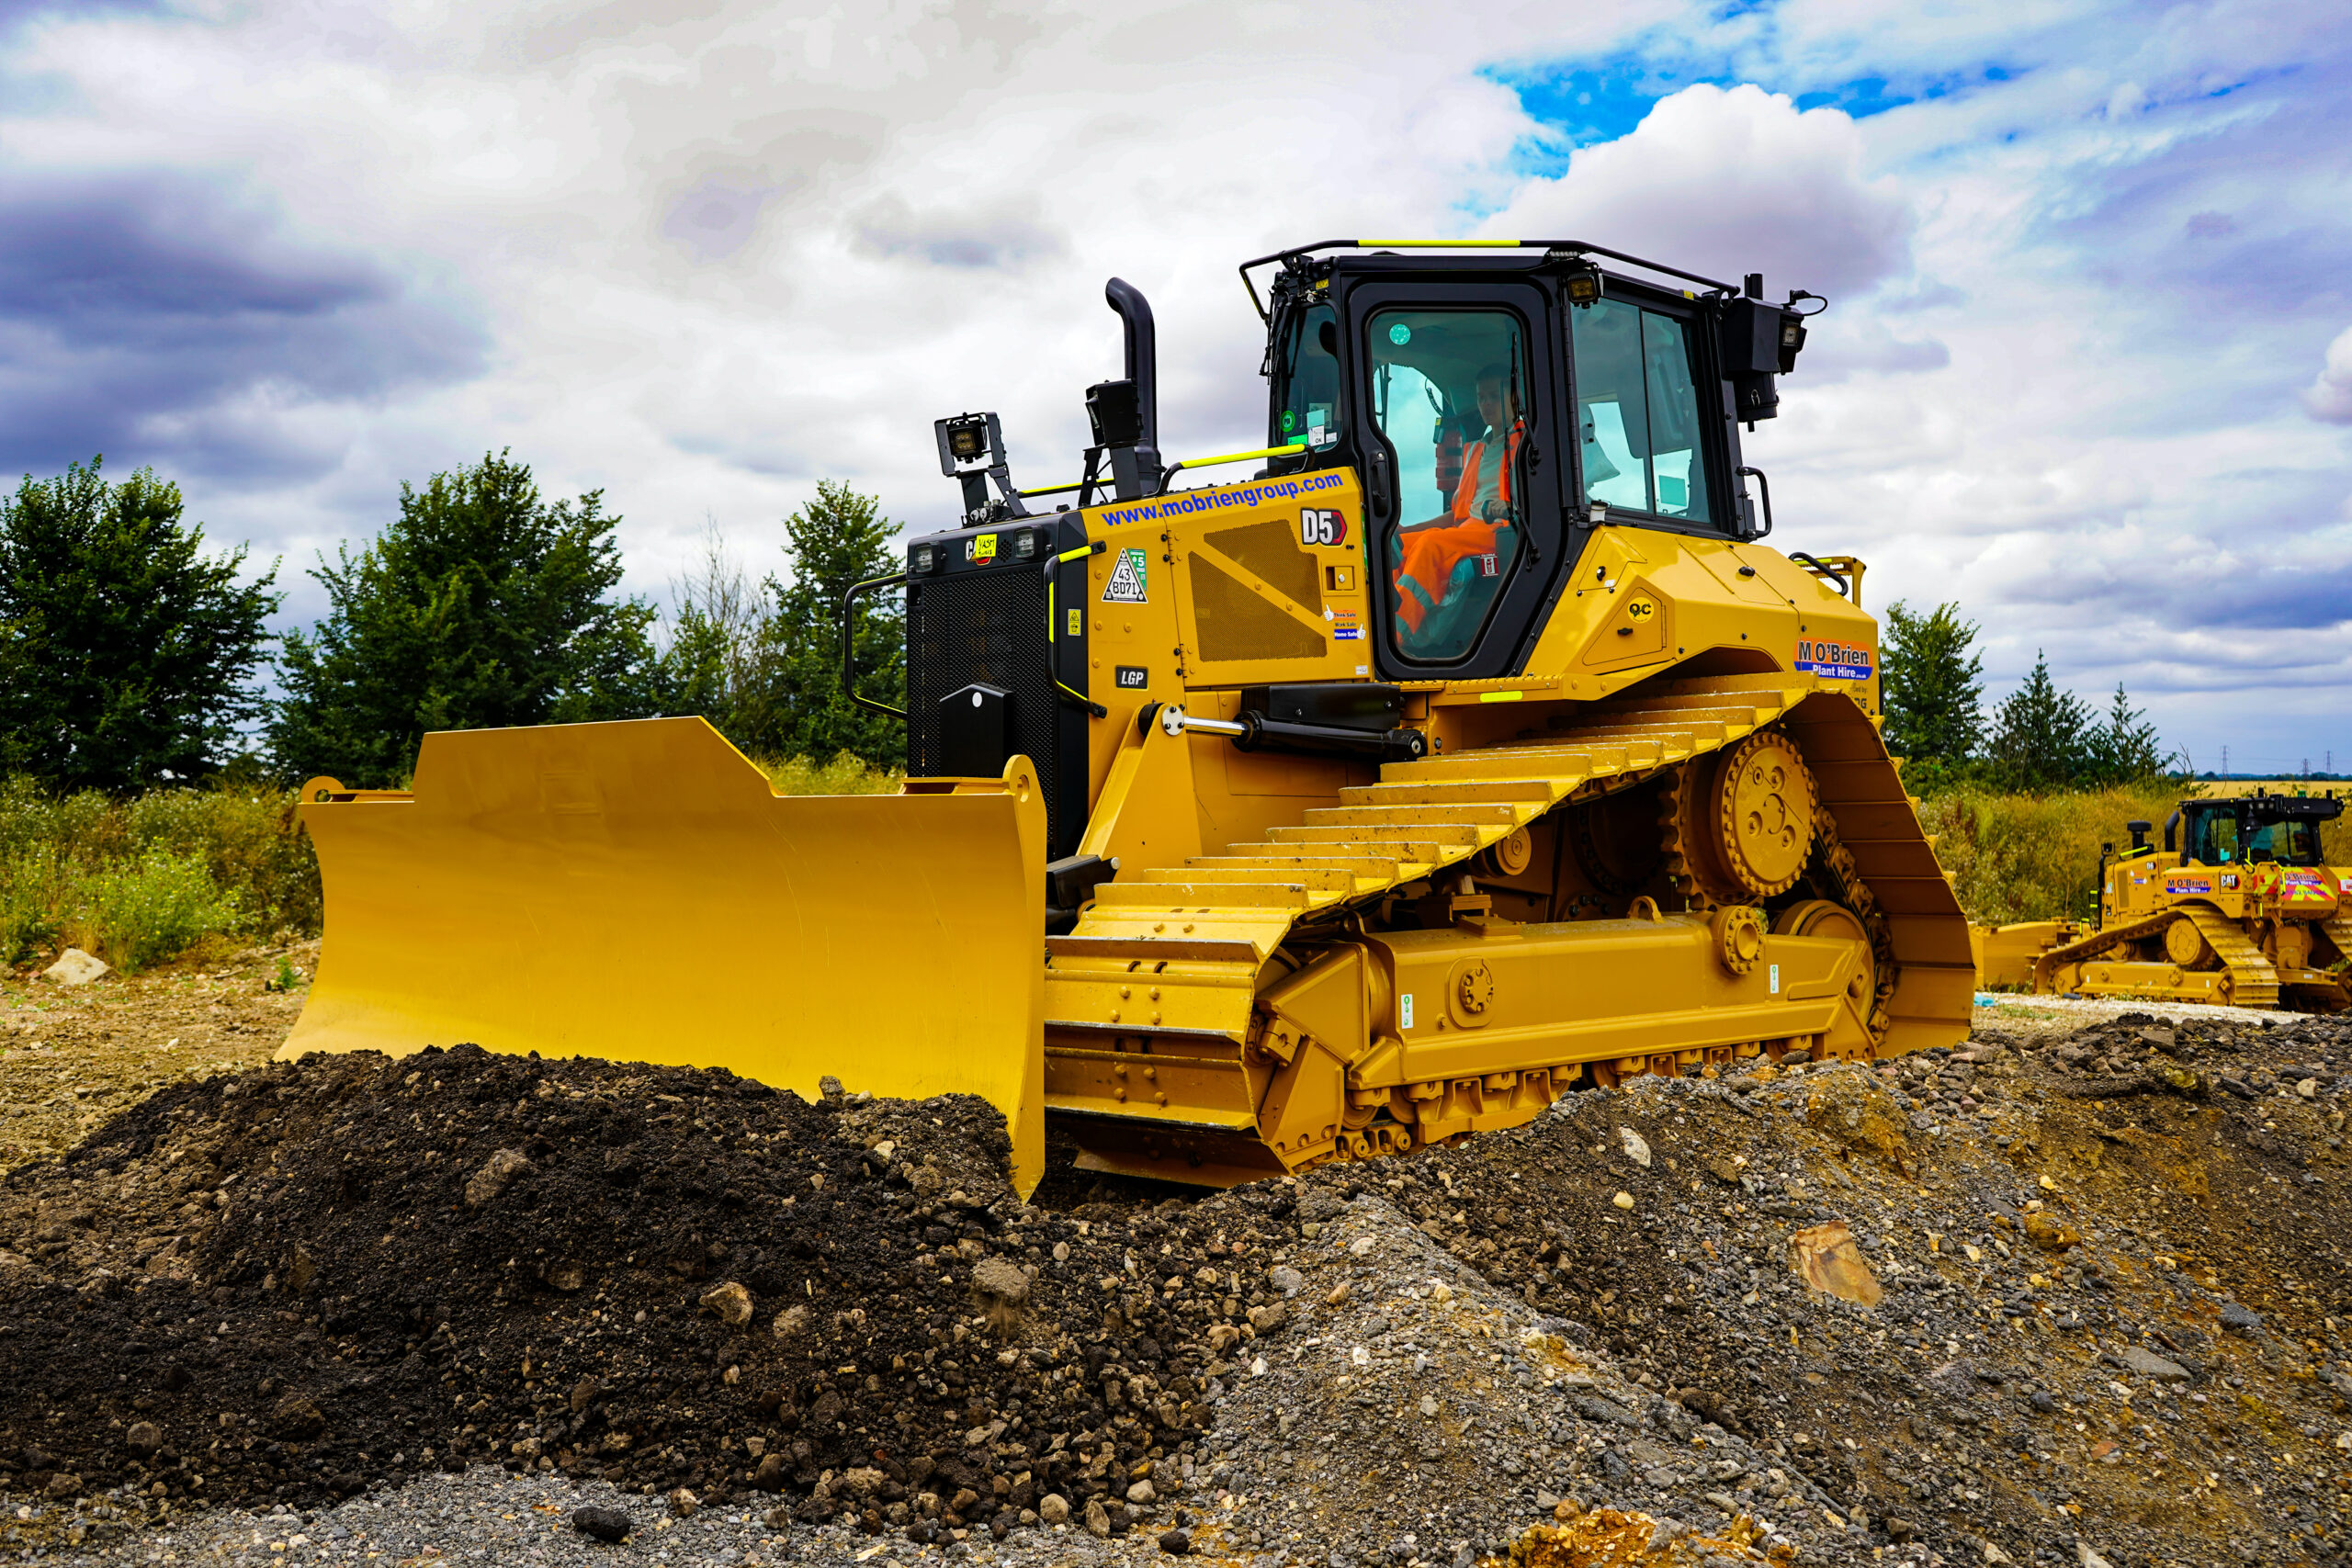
{"x":1579,"y":103}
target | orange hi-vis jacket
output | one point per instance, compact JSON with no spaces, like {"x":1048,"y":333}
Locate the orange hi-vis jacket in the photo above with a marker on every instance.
{"x":1431,"y":553}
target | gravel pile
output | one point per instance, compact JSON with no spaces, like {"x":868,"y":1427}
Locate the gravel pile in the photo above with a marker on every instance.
{"x":2054,"y":1299}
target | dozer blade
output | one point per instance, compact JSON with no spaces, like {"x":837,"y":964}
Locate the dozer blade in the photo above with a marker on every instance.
{"x":637,"y":891}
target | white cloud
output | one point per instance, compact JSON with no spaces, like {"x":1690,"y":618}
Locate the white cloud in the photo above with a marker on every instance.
{"x":719,"y":255}
{"x":1729,"y":182}
{"x":2330,"y":397}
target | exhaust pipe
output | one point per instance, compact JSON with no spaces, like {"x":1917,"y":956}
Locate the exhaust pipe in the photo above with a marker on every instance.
{"x":1126,"y":415}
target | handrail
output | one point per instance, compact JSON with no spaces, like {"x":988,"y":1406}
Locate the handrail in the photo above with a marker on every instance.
{"x":849,"y":674}
{"x":1820,"y":568}
{"x":1050,"y":571}
{"x":1577,"y":247}
{"x":1292,"y":450}
{"x":1766,"y":486}
{"x":1168,"y":476}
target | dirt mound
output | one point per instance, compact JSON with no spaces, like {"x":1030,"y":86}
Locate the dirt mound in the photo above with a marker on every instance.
{"x":2085,"y":1293}
{"x":2114,"y":1268}
{"x":313,"y":1276}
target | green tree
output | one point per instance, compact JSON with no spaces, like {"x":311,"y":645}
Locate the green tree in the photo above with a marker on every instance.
{"x":127,"y":647}
{"x":715,"y":659}
{"x":1932,"y":684}
{"x":481,"y":606}
{"x":836,"y":540}
{"x":2126,"y":749}
{"x":2042,"y":736}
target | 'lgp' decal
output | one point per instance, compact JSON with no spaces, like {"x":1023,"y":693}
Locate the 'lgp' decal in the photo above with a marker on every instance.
{"x":1322,"y":525}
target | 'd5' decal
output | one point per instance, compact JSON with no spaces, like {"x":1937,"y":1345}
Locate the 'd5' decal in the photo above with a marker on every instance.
{"x":1322,"y":525}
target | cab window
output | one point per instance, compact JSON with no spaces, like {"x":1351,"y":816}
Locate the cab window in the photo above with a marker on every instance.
{"x":1638,"y":411}
{"x":1307,"y":408}
{"x":2218,"y":844}
{"x":2290,"y":843}
{"x":1450,"y":395}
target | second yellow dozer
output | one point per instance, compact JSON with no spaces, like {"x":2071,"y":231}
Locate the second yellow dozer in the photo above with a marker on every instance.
{"x":1473,"y":749}
{"x":2238,"y":908}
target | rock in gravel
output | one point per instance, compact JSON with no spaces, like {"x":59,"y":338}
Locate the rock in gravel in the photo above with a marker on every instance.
{"x":75,"y":967}
{"x":501,"y":1169}
{"x":999,"y":1282}
{"x":770,"y":1476}
{"x":604,"y":1523}
{"x":2148,"y":1364}
{"x":1098,"y":1519}
{"x":683,"y":1503}
{"x":1053,"y":1508}
{"x":1637,"y":1148}
{"x":1284,"y":1280}
{"x":1824,"y":1257}
{"x":791,"y":1323}
{"x":2049,"y":1232}
{"x":1177,"y":1544}
{"x":143,"y":1439}
{"x":730,"y":1302}
{"x":1143,"y":1493}
{"x":2244,"y":1320}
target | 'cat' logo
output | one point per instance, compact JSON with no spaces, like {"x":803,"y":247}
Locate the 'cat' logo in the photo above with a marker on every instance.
{"x":1322,"y":525}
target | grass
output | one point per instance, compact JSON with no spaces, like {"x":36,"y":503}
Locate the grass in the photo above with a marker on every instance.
{"x":2027,"y":857}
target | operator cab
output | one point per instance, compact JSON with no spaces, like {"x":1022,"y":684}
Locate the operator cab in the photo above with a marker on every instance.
{"x":1500,"y":407}
{"x":2254,"y":830}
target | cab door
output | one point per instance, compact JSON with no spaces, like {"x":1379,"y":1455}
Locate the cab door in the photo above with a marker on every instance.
{"x":1457,"y":392}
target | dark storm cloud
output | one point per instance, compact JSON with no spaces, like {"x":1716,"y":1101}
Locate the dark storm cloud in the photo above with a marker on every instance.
{"x":160,"y":316}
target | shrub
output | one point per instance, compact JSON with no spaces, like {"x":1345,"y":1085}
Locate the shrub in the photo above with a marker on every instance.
{"x":154,"y":907}
{"x":30,"y":900}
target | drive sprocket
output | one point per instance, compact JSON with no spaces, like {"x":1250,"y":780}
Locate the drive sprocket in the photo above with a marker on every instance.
{"x":1741,"y":828}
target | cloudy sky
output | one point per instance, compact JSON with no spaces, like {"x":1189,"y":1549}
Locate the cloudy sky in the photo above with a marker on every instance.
{"x":2089,"y":367}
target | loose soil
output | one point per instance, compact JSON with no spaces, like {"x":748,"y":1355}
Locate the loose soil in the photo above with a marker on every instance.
{"x":71,"y":1058}
{"x":2111,"y":1257}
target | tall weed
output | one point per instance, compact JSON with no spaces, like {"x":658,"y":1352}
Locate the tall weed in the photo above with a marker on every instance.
{"x":847,"y":774}
{"x":2035,"y":857}
{"x":142,"y":881}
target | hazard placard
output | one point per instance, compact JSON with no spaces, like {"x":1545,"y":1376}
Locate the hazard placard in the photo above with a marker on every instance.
{"x":1126,"y":585}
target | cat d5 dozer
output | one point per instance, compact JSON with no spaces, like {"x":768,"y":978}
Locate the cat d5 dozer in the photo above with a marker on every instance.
{"x":2237,"y":908}
{"x":1473,"y":748}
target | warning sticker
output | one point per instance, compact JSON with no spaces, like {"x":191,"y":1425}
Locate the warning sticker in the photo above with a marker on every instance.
{"x":980,"y":549}
{"x":1126,"y":584}
{"x":1833,"y":661}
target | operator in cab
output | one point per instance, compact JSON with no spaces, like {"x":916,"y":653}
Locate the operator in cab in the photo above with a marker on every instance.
{"x":1453,"y":564}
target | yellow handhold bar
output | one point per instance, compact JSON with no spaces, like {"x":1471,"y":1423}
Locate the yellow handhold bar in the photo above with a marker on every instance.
{"x":1294,"y":447}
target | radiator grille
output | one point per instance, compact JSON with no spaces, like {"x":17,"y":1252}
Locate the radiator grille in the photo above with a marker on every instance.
{"x":990,"y":627}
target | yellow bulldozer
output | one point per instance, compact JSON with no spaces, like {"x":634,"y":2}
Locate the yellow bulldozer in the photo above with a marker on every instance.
{"x":1473,"y":748}
{"x":2237,"y":908}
